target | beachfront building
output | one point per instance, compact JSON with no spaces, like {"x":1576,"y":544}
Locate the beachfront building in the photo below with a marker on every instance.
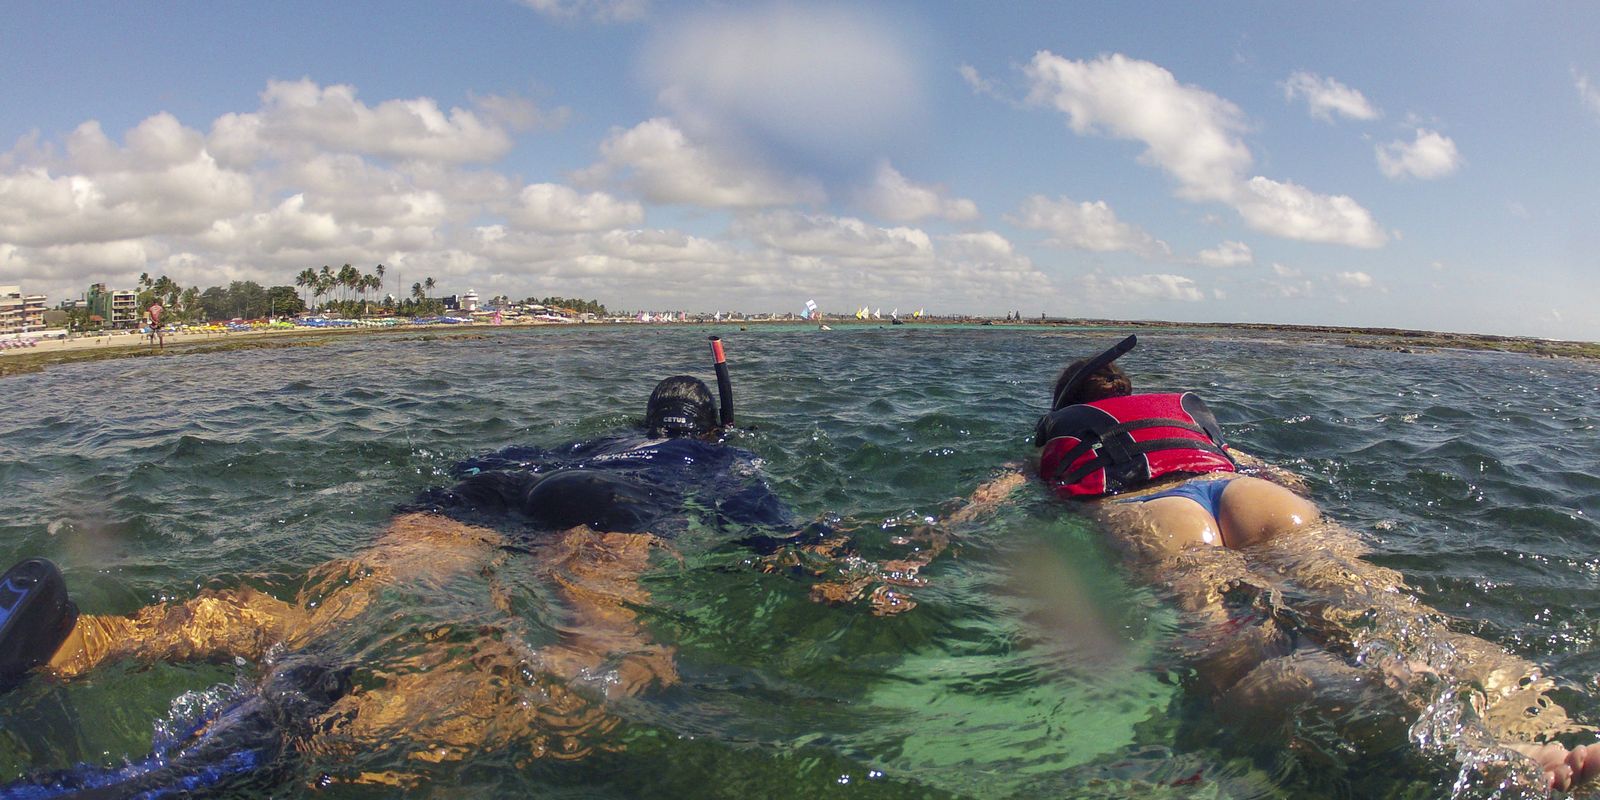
{"x":20,"y":313}
{"x":467,"y":302}
{"x":119,"y":308}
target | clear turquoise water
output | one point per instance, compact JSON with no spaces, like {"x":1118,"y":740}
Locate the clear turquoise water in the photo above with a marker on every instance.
{"x":1031,"y":667}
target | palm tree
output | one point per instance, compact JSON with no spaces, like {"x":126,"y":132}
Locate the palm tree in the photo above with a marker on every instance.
{"x":379,"y":271}
{"x":305,"y":280}
{"x":325,"y":280}
{"x":191,"y":303}
{"x":427,"y":283}
{"x":346,"y":279}
{"x":374,"y":283}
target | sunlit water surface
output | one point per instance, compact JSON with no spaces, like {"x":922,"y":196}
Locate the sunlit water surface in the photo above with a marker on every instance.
{"x":1475,"y":474}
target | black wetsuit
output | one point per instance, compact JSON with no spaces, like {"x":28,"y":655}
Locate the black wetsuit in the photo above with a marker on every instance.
{"x":620,"y":484}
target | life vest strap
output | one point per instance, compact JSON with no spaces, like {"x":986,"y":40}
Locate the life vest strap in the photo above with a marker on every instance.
{"x":1139,"y":448}
{"x":1098,"y":438}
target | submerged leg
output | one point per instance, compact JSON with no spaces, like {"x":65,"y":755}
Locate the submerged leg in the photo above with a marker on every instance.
{"x":244,"y":623}
{"x":497,"y":693}
{"x":241,"y":624}
{"x":598,"y":576}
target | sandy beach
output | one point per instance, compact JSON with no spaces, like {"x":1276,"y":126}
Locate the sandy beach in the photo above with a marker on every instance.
{"x":134,"y":339}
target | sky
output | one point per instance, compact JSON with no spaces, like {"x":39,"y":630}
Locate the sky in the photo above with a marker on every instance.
{"x":1414,"y":165}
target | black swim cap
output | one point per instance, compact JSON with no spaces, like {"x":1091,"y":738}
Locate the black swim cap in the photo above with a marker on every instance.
{"x":680,"y":406}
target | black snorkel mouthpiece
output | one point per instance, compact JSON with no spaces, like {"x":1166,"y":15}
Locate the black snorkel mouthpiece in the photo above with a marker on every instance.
{"x":724,"y":383}
{"x":1092,"y":366}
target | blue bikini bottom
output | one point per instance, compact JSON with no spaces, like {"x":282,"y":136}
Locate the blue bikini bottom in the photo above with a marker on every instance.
{"x":1207,"y":493}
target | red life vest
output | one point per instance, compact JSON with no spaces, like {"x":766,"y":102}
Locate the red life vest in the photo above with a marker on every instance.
{"x":1122,"y":443}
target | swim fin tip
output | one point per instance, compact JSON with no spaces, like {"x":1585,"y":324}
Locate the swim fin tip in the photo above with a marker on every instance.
{"x":35,"y":617}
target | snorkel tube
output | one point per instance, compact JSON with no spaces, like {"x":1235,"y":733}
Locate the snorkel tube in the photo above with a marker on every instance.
{"x":1041,"y":431}
{"x":724,"y":383}
{"x":1092,"y":366}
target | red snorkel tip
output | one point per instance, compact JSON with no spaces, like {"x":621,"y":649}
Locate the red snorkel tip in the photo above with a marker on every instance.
{"x":724,"y":383}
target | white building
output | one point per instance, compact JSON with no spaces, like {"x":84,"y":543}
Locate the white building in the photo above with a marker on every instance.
{"x":469,"y":301}
{"x":20,"y":313}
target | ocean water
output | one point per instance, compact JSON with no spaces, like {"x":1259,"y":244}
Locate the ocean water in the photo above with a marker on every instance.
{"x":1033,"y":665}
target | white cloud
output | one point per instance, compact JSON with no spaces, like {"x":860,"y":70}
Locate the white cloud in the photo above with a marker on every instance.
{"x":559,"y":209}
{"x":894,"y":198}
{"x":808,"y":78}
{"x":520,"y":113}
{"x":1353,"y":280}
{"x":1294,"y":212}
{"x":841,"y":262}
{"x":1588,"y":93}
{"x":1290,"y":282}
{"x":288,"y":226}
{"x":1326,"y":97}
{"x":1300,"y":289}
{"x":660,"y":163}
{"x":597,"y":10}
{"x":127,"y":255}
{"x":1154,"y":287}
{"x":1430,"y":156}
{"x":358,"y":191}
{"x":1086,"y":226}
{"x":983,"y":246}
{"x":300,"y":116}
{"x":161,"y":182}
{"x":979,"y":84}
{"x":1188,"y":131}
{"x":1227,"y":254}
{"x":272,"y":190}
{"x":838,"y":237}
{"x":1193,"y":135}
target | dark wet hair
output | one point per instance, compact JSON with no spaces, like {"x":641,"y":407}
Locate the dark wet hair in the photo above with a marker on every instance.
{"x":680,"y":406}
{"x":1108,"y":381}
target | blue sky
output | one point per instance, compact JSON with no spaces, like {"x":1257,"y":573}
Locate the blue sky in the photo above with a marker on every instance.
{"x":1423,"y":165}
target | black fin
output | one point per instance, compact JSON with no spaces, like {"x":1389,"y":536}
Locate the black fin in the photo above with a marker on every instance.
{"x":35,"y":617}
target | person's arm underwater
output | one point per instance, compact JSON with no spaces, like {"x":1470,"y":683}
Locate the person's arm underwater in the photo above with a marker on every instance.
{"x":886,"y":584}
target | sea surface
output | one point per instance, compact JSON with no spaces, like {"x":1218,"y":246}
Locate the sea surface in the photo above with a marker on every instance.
{"x":1031,"y":666}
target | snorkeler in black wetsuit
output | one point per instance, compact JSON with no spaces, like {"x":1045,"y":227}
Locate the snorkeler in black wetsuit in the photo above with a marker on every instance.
{"x":610,"y":497}
{"x":624,"y":484}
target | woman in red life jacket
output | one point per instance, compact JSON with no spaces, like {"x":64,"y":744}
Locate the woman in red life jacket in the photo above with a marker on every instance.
{"x":1279,"y":603}
{"x":1164,"y":456}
